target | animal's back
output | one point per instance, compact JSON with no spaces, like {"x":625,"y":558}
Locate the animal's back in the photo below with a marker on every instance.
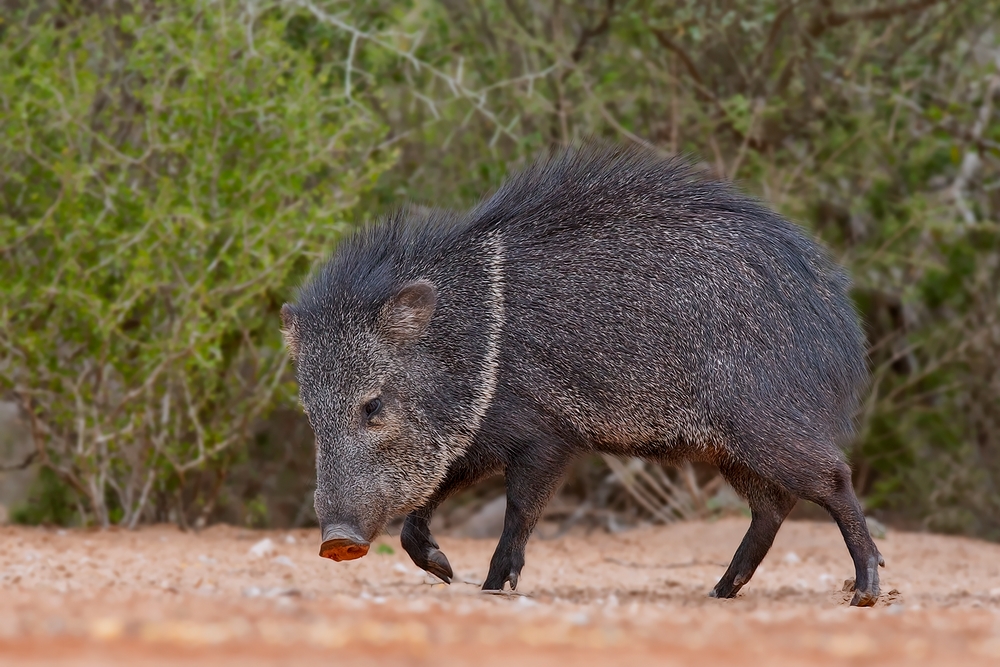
{"x":646,"y":307}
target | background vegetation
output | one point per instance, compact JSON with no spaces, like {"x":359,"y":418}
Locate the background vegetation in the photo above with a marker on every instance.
{"x":168,"y":171}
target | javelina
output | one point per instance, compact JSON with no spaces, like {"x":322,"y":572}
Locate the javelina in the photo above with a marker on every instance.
{"x":604,"y":300}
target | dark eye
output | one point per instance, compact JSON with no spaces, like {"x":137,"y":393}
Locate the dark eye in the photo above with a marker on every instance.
{"x":372,"y":407}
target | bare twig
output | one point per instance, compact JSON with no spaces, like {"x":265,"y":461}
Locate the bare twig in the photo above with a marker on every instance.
{"x":734,"y":169}
{"x":596,"y":30}
{"x":831,"y":18}
{"x":27,"y":461}
{"x":476,"y":97}
{"x":611,"y":120}
{"x":971,"y":161}
{"x":692,"y":69}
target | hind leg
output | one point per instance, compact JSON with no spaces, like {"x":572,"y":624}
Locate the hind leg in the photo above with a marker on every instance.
{"x":769,"y":505}
{"x":835,"y":493}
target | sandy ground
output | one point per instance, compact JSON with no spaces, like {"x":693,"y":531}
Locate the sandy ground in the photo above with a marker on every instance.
{"x":158,"y":596}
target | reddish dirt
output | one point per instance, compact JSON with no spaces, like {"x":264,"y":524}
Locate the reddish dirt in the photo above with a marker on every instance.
{"x":157,"y":596}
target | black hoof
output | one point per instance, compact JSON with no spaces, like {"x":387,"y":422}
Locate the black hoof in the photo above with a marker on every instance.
{"x":864,"y":598}
{"x":497,"y":583}
{"x":724,"y":592}
{"x":865,"y":595}
{"x":438,"y":565}
{"x":728,"y":589}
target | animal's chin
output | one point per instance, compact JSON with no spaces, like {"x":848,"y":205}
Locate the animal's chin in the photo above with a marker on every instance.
{"x":408,"y":507}
{"x":411,"y":505}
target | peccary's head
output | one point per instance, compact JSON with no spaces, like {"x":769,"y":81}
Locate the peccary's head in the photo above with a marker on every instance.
{"x":383,"y":378}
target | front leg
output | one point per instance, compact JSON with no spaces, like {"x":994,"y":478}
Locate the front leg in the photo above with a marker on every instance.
{"x":530,"y":485}
{"x":423,"y":549}
{"x":416,"y":538}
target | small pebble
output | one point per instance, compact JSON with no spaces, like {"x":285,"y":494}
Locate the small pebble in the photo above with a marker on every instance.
{"x":263,"y":548}
{"x":284,"y":560}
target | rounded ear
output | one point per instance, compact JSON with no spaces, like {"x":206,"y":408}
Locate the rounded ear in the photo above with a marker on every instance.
{"x":290,"y":330}
{"x":409,"y":311}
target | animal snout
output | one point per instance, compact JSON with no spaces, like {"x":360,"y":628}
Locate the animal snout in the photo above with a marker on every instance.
{"x":341,"y":542}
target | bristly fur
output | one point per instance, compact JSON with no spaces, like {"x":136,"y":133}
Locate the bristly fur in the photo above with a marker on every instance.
{"x":604,"y":299}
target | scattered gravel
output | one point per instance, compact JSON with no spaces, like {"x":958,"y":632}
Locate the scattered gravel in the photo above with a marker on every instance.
{"x":160,"y":596}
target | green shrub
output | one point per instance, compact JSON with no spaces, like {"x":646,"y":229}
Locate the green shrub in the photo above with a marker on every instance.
{"x":49,"y":502}
{"x":166,"y":175}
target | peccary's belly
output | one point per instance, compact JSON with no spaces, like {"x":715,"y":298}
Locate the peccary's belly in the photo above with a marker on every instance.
{"x":637,"y":428}
{"x":619,"y":409}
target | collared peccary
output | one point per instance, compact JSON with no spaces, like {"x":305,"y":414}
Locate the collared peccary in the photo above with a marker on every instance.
{"x":603,"y":300}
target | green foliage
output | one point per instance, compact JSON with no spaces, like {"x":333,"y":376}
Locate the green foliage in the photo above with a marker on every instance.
{"x":49,"y":502}
{"x":256,"y":513}
{"x":165,"y":178}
